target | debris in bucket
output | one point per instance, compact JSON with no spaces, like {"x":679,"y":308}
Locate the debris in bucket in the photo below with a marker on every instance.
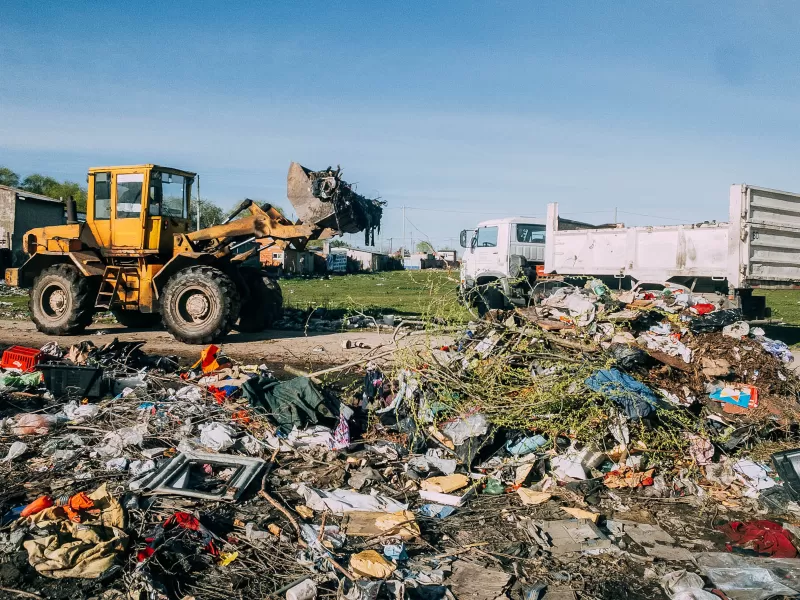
{"x":624,"y":453}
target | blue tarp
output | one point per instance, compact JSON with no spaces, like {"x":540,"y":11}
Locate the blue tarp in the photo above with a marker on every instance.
{"x":635,"y":398}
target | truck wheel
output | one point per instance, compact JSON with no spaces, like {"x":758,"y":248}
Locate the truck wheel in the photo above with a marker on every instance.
{"x":199,"y":305}
{"x":135,"y":319}
{"x":265,"y":304}
{"x":489,"y":297}
{"x":62,"y":300}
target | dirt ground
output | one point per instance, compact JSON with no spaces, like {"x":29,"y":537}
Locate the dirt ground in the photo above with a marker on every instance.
{"x":274,"y":348}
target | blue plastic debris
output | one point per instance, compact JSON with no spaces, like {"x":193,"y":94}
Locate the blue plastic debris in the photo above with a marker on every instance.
{"x":436,"y":511}
{"x":395,"y":552}
{"x":525,"y":445}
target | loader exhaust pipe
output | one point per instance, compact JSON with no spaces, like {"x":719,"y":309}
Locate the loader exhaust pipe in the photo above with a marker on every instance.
{"x":72,"y":211}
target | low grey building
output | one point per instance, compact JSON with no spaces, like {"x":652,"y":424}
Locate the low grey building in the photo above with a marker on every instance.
{"x":21,"y":211}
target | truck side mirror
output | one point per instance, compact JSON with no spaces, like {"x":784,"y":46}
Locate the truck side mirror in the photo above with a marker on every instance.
{"x":463,"y":238}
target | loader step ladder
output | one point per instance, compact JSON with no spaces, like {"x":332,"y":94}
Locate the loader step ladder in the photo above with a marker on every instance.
{"x":112,"y":278}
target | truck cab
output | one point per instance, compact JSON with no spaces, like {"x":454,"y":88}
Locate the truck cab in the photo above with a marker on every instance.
{"x":500,"y":260}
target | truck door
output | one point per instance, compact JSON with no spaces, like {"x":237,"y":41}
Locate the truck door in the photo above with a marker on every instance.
{"x":486,"y":250}
{"x":127,"y":227}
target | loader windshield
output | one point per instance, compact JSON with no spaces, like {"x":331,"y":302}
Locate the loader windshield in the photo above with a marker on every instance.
{"x":169,"y":194}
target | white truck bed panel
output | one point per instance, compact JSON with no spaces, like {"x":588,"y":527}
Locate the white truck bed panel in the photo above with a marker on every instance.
{"x":770,"y":250}
{"x":759,"y":246}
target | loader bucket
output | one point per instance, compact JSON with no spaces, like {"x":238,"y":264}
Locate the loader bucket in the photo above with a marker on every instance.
{"x":324,"y":199}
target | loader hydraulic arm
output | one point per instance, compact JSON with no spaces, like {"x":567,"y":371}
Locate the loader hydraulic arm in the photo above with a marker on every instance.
{"x":261,"y":223}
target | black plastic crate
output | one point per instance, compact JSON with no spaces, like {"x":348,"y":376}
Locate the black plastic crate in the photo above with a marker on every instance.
{"x":63,"y":380}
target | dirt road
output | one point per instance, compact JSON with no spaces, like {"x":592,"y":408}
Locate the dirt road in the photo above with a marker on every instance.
{"x":274,"y":348}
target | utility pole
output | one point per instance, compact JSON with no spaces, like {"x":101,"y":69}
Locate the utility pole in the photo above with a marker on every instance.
{"x":404,"y":230}
{"x":198,"y":203}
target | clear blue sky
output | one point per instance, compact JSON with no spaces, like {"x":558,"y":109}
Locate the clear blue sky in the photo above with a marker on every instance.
{"x":469,"y":110}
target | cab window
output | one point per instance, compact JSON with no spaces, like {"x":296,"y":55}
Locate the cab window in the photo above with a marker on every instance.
{"x":487,"y":237}
{"x":102,"y":196}
{"x":129,"y":195}
{"x":169,"y":195}
{"x":530,"y":234}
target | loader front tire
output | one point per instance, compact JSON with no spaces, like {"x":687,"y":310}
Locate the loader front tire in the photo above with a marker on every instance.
{"x":200,"y":305}
{"x":62,"y":300}
{"x":264,"y":305}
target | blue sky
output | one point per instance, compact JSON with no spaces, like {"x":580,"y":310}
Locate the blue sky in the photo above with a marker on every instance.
{"x":461,"y":111}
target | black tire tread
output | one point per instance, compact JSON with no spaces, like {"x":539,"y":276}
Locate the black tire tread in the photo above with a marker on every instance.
{"x":84,"y":295}
{"x":263,"y":306}
{"x":231,"y":304}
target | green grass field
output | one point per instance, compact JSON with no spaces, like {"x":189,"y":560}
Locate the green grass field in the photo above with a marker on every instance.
{"x":393,"y":292}
{"x":785,"y":304}
{"x":425,"y":293}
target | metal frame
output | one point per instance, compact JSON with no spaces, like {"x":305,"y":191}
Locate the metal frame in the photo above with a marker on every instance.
{"x":166,"y":479}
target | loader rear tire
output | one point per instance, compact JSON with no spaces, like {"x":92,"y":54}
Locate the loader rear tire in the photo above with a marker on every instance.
{"x":62,"y":300}
{"x":264,"y":305}
{"x":200,"y":305}
{"x":135,"y":319}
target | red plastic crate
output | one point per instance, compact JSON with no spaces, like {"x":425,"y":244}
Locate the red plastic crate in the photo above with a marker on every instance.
{"x":20,"y":357}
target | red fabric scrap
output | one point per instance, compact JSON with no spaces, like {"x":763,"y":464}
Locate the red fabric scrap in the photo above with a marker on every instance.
{"x":145,"y":553}
{"x":218,"y":394}
{"x":764,"y":538}
{"x":183,"y":520}
{"x":703,"y":309}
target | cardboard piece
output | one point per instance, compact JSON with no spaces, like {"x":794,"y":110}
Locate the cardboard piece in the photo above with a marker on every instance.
{"x":445,"y":484}
{"x":532,"y":497}
{"x":371,"y":564}
{"x":401,"y":524}
{"x":579,"y":513}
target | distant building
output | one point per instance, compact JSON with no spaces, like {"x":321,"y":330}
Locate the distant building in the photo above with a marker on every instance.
{"x":428,"y":260}
{"x":372,"y":262}
{"x":21,"y":211}
{"x":296,"y":262}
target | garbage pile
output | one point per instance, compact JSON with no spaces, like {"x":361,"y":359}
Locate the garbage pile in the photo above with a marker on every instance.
{"x":589,"y":446}
{"x":325,"y":199}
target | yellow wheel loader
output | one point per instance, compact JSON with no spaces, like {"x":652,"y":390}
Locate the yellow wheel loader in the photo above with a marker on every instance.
{"x":137,"y":256}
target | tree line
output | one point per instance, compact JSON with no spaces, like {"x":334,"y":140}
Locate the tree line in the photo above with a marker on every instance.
{"x":45,"y":185}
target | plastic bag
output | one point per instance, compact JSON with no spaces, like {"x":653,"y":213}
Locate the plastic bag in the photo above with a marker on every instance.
{"x":628,"y":357}
{"x":217,"y":436}
{"x":715,"y":321}
{"x":34,"y":424}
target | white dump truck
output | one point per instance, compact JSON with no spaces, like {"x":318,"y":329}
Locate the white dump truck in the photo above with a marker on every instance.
{"x":758,"y":247}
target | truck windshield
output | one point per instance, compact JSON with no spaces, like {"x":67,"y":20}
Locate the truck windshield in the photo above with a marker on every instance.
{"x":530,"y":234}
{"x":487,"y":237}
{"x":169,"y":195}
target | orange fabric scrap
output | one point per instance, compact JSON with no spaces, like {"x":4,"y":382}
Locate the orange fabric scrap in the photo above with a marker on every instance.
{"x":77,"y":503}
{"x":626,"y":477}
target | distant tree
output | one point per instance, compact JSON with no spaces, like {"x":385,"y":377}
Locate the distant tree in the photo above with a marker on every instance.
{"x":38,"y":184}
{"x":8,"y":177}
{"x":47,"y":186}
{"x":315,"y":244}
{"x":424,"y":247}
{"x":339,"y":244}
{"x":447,"y":249}
{"x":210,"y":214}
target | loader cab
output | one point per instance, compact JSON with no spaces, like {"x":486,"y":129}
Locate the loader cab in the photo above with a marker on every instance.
{"x":136,"y":210}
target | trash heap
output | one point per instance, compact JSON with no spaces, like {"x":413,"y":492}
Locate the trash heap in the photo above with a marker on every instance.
{"x":593,"y":445}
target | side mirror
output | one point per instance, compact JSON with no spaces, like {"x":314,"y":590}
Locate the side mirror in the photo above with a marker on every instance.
{"x":462,"y":239}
